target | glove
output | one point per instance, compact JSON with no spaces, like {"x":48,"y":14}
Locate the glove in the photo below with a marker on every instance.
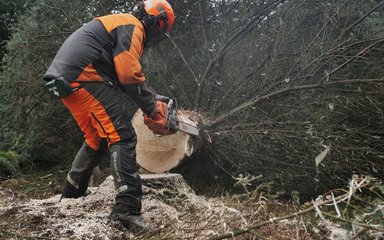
{"x":157,"y":123}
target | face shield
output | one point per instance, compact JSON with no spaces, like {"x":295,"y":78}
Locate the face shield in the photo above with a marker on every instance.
{"x":156,"y":29}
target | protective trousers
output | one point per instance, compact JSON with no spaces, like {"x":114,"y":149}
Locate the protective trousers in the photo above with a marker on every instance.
{"x":101,"y":112}
{"x":127,"y":179}
{"x":78,"y":176}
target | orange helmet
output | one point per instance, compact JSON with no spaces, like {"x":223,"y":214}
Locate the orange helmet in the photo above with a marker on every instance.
{"x":163,"y":10}
{"x":157,"y":17}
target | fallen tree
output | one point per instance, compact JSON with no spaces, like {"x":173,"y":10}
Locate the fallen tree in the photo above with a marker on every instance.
{"x":288,"y":92}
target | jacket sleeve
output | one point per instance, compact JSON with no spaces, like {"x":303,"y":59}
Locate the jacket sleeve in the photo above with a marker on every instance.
{"x":127,"y":53}
{"x":142,"y":96}
{"x":128,"y":34}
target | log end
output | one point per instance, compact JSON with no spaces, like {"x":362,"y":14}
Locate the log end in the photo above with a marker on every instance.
{"x":160,"y":154}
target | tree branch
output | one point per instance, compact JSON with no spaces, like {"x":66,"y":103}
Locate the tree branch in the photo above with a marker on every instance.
{"x":315,"y":205}
{"x":319,"y":85}
{"x":312,"y":43}
{"x":185,"y":61}
{"x":349,"y":28}
{"x":227,"y":45}
{"x":283,"y":91}
{"x":359,"y":54}
{"x":204,"y":32}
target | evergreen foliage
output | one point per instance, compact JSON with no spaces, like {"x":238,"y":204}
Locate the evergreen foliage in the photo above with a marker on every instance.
{"x":9,"y":164}
{"x":9,"y":12}
{"x":276,"y":82}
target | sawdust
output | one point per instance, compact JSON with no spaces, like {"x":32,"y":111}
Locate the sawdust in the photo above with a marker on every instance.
{"x":174,"y":209}
{"x":168,"y":203}
{"x":66,"y":219}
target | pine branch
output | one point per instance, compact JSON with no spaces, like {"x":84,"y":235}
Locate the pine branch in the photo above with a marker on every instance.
{"x":364,"y":183}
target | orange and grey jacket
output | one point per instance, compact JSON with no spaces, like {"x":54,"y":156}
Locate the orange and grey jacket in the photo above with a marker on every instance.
{"x":106,"y":49}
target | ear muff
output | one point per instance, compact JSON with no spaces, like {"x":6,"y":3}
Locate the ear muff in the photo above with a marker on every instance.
{"x":149,"y":21}
{"x":155,"y":28}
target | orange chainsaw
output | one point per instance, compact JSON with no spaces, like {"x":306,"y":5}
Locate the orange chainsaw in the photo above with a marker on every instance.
{"x":175,"y":122}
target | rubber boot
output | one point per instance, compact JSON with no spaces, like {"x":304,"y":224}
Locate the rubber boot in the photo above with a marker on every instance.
{"x":78,"y":177}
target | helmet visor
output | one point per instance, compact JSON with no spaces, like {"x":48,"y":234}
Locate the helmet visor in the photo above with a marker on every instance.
{"x":157,"y":32}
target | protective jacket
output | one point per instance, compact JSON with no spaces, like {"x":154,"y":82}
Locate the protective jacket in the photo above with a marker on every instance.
{"x":106,"y":49}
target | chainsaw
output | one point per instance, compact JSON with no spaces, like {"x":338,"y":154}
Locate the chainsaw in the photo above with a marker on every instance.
{"x":175,"y":122}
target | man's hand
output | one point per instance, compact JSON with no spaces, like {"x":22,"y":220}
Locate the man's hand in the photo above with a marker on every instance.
{"x":157,"y":123}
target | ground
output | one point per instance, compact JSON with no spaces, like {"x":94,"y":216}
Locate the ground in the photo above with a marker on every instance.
{"x":168,"y":203}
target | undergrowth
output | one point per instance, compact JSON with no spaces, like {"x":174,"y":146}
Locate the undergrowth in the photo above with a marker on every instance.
{"x":9,"y":164}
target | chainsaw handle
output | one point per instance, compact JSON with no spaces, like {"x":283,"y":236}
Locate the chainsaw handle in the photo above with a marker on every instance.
{"x":172,"y":102}
{"x":171,"y":116}
{"x":162,"y":98}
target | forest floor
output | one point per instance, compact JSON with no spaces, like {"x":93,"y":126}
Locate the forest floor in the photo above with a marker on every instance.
{"x":30,"y":209}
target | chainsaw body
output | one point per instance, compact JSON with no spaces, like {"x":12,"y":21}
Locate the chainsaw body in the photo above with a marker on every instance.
{"x":175,"y":122}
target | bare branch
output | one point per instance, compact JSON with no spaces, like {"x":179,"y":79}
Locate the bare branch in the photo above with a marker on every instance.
{"x":203,"y":26}
{"x":348,"y":29}
{"x":185,"y":61}
{"x":228,"y":43}
{"x":318,"y":85}
{"x":359,"y":54}
{"x":286,"y":90}
{"x":310,"y":45}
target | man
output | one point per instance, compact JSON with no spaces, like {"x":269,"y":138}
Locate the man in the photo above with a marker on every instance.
{"x":93,"y":73}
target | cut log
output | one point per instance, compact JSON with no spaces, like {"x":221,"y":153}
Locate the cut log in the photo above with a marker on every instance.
{"x":159,"y":154}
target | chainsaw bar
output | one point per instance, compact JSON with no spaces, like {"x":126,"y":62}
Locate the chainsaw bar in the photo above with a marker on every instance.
{"x":188,"y":128}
